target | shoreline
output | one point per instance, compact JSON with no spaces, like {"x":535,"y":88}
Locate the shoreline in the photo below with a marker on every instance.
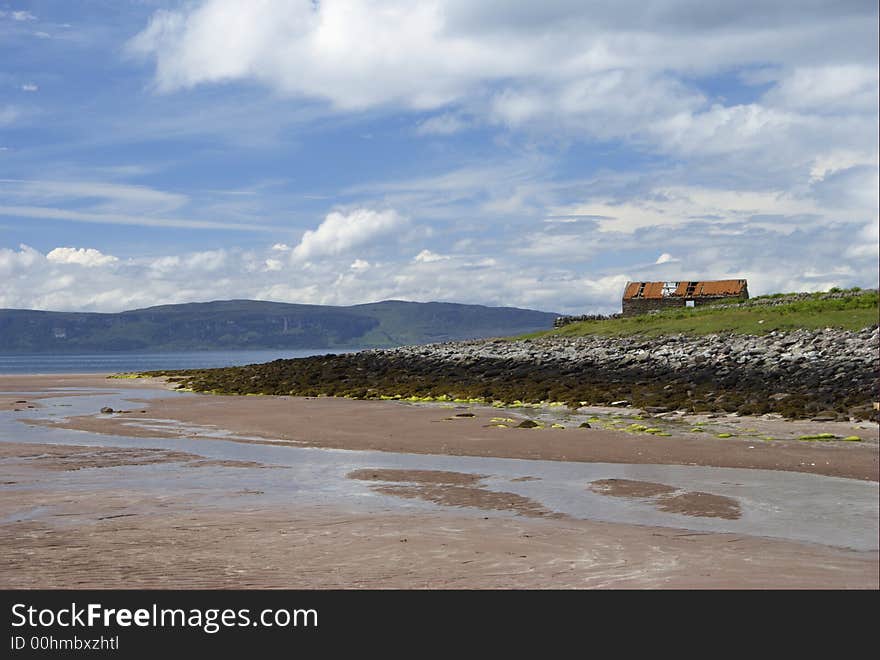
{"x":468,"y":430}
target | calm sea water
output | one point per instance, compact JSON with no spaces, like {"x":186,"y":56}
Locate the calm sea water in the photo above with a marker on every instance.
{"x":43,"y":363}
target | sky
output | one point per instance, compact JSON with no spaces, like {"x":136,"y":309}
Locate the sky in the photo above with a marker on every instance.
{"x":528,"y":154}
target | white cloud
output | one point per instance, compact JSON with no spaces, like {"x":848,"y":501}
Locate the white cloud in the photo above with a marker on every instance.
{"x":360,"y":265}
{"x":866,"y":243}
{"x":122,"y":219}
{"x":88,"y":279}
{"x":273,"y":265}
{"x":666,"y":258}
{"x":608,"y":103}
{"x":618,"y":70}
{"x":24,"y":258}
{"x":30,"y":87}
{"x":18,"y":15}
{"x":108,"y":195}
{"x":549,"y":247}
{"x":100,"y":202}
{"x":88,"y":257}
{"x":208,"y":261}
{"x":681,"y":205}
{"x":445,"y":124}
{"x":427,"y":257}
{"x":720,"y":129}
{"x":611,"y":72}
{"x":364,"y":53}
{"x":840,"y":159}
{"x":354,"y":54}
{"x":340,"y":232}
{"x":573,"y":72}
{"x":827,"y":89}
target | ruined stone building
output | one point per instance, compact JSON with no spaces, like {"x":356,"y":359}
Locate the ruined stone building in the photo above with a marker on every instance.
{"x":643,"y":297}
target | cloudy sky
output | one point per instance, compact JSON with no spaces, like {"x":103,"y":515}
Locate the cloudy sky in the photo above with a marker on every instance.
{"x":535,"y":154}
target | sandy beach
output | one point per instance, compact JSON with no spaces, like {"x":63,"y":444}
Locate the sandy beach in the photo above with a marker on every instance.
{"x":395,"y":427}
{"x":181,"y":515}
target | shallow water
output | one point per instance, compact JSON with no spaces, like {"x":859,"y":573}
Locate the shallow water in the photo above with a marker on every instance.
{"x":84,"y":363}
{"x":787,"y":505}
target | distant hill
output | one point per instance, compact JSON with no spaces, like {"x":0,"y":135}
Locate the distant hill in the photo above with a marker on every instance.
{"x":253,"y":324}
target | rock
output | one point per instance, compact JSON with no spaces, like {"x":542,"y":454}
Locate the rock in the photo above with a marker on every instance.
{"x":106,"y":410}
{"x":584,"y":425}
{"x":825,"y":416}
{"x":527,"y":424}
{"x":622,"y":403}
{"x":654,"y":410}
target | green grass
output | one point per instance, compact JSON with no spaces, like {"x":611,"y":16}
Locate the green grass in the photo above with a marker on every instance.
{"x":852,"y":313}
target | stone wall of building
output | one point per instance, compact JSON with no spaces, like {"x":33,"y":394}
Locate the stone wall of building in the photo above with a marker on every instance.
{"x":637,"y":306}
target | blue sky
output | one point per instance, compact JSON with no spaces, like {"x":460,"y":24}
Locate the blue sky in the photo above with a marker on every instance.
{"x":529,"y":154}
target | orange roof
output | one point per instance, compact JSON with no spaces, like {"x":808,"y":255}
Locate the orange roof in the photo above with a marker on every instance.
{"x":631,"y":290}
{"x":684,"y":289}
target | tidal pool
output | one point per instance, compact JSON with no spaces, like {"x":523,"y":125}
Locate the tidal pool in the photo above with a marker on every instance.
{"x":787,"y":505}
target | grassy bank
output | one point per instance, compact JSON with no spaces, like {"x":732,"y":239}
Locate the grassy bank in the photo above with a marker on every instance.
{"x":851,"y":313}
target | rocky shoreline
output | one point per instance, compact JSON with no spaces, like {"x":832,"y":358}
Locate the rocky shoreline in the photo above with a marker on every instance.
{"x":828,"y":373}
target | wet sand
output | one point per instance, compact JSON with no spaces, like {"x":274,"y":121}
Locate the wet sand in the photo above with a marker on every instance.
{"x":72,"y":457}
{"x":128,"y":539}
{"x":398,"y":427}
{"x":97,"y":536}
{"x":668,"y":498}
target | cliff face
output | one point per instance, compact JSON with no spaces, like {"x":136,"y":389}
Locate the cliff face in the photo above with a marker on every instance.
{"x":799,"y":374}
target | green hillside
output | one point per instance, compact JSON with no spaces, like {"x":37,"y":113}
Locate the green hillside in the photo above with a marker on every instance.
{"x":854,"y":312}
{"x":250,"y":324}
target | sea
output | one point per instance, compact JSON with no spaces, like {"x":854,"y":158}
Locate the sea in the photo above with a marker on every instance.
{"x":83,"y":363}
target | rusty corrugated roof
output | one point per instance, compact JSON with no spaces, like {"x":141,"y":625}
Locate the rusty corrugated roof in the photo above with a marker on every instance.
{"x":631,"y":290}
{"x":684,"y":289}
{"x":721,"y":288}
